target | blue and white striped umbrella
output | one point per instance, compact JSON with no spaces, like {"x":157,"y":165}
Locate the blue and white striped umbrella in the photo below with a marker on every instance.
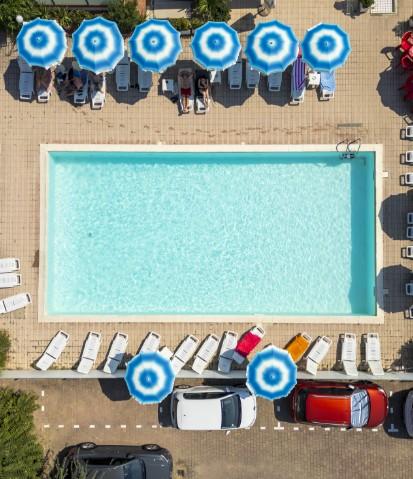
{"x":155,"y":45}
{"x":325,"y":47}
{"x":42,"y":43}
{"x":215,"y":46}
{"x":149,"y":377}
{"x":271,"y":374}
{"x":271,"y":47}
{"x":98,"y":45}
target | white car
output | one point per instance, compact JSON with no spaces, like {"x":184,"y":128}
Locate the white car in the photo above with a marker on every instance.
{"x":212,"y":408}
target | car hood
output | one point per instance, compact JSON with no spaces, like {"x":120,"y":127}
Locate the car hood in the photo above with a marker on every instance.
{"x":248,"y":411}
{"x":323,"y":409}
{"x":199,"y":415}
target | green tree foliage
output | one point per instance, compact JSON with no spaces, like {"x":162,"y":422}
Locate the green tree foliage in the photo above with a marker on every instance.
{"x":215,"y":10}
{"x":21,"y":456}
{"x":10,"y":8}
{"x":4,"y":347}
{"x":125,"y":14}
{"x":68,"y":469}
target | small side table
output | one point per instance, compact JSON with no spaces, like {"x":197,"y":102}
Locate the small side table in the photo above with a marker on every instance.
{"x":313,"y":79}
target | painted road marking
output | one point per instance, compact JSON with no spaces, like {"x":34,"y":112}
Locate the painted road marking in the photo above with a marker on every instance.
{"x":278,"y":427}
{"x":359,"y":429}
{"x":76,"y":426}
{"x":91,"y":426}
{"x":311,"y":428}
{"x":392,"y":428}
{"x":374,"y":430}
{"x":42,"y":393}
{"x":138,"y":426}
{"x":343,"y":429}
{"x":46,"y":426}
{"x":391,"y":410}
{"x":263,"y":428}
{"x":154,"y":426}
{"x":326,"y":429}
{"x":42,"y":408}
{"x":123,"y":426}
{"x":296,"y":428}
{"x":61,"y":426}
{"x":107,"y":426}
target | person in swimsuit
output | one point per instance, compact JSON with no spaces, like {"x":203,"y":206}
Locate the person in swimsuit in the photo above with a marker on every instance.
{"x":185,"y":78}
{"x":203,"y":87}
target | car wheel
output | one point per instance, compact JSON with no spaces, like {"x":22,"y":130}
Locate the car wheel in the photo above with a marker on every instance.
{"x":87,"y":445}
{"x":151,"y":447}
{"x":182,"y":386}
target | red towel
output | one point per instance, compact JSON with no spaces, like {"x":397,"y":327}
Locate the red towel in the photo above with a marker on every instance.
{"x":247,"y":343}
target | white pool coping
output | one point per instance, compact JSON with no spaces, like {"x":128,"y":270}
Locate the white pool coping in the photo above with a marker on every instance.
{"x":43,"y":315}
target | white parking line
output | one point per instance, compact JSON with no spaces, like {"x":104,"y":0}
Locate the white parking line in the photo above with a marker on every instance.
{"x":374,"y":430}
{"x":76,"y":426}
{"x":107,"y":426}
{"x":263,"y":428}
{"x":61,"y":426}
{"x":46,"y":426}
{"x":154,"y":426}
{"x":278,"y":427}
{"x":359,"y":429}
{"x":343,"y":429}
{"x":138,"y":426}
{"x":327,"y":429}
{"x":91,"y":426}
{"x":311,"y":428}
{"x":392,"y":428}
{"x":42,"y":408}
{"x":42,"y":393}
{"x":123,"y":426}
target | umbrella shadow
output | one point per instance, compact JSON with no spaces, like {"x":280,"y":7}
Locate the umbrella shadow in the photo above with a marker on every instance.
{"x":282,"y":410}
{"x":115,"y":389}
{"x":222,"y":94}
{"x":394,"y":279}
{"x":164,"y":412}
{"x":405,"y":360}
{"x":394,"y":424}
{"x":132,"y":95}
{"x":279,"y":98}
{"x":246,"y":23}
{"x":11,"y":79}
{"x":393,"y":214}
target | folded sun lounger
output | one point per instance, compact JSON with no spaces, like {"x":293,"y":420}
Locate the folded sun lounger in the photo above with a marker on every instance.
{"x":235,"y":75}
{"x":12,"y":303}
{"x":184,"y":353}
{"x":247,"y":343}
{"x":226,"y":353}
{"x":151,"y":343}
{"x":205,"y":353}
{"x":274,"y":81}
{"x":26,"y":80}
{"x":122,"y":73}
{"x":144,"y":80}
{"x":89,"y":353}
{"x":298,"y":346}
{"x":349,"y":354}
{"x":10,"y":280}
{"x":327,"y":85}
{"x":9,"y":265}
{"x":252,"y":76}
{"x":317,"y":353}
{"x":53,"y":351}
{"x":116,"y":353}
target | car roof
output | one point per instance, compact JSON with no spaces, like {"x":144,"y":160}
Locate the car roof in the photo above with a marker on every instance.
{"x":199,"y":414}
{"x":328,"y":409}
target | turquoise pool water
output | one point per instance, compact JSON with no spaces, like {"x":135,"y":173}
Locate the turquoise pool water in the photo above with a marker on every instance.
{"x":210,"y":233}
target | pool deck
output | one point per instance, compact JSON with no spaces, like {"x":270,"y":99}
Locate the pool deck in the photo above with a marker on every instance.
{"x":368,"y":105}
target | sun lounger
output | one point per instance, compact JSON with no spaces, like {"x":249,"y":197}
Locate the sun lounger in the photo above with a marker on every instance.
{"x":53,"y":351}
{"x":409,"y":157}
{"x":180,"y":91}
{"x":81,"y":95}
{"x":226,"y":353}
{"x":43,"y":96}
{"x":274,"y":81}
{"x":144,"y":80}
{"x":407,"y":252}
{"x":409,"y":218}
{"x":409,"y":312}
{"x":409,"y":289}
{"x":10,"y":280}
{"x":327,"y":85}
{"x":89,"y":353}
{"x":252,"y":76}
{"x":151,"y":343}
{"x":98,"y":97}
{"x":409,"y":232}
{"x":407,"y":179}
{"x":409,"y":132}
{"x":215,"y":76}
{"x":166,"y":352}
{"x":184,"y":353}
{"x":373,"y":353}
{"x":122,"y":73}
{"x":317,"y":354}
{"x":247,"y":343}
{"x":349,"y":353}
{"x":26,"y":80}
{"x":201,"y":106}
{"x":116,"y":353}
{"x":235,"y":75}
{"x":168,"y":86}
{"x":298,"y":82}
{"x":205,"y":353}
{"x":9,"y":265}
{"x":12,"y":303}
{"x":298,"y":346}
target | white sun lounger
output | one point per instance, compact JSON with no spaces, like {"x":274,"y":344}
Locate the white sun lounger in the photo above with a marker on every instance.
{"x":409,"y":132}
{"x":122,"y":73}
{"x":205,"y":353}
{"x":166,"y":352}
{"x":215,"y":76}
{"x":407,"y":252}
{"x":252,"y":76}
{"x":274,"y":81}
{"x":89,"y":352}
{"x":12,"y":303}
{"x":373,"y":353}
{"x":317,"y":353}
{"x":9,"y":265}
{"x":227,"y":351}
{"x":151,"y":343}
{"x":116,"y":352}
{"x":10,"y":280}
{"x":235,"y":75}
{"x":53,"y":351}
{"x":80,"y":97}
{"x":144,"y":80}
{"x":43,"y":96}
{"x":407,"y":179}
{"x":26,"y":80}
{"x":184,"y":353}
{"x":409,"y":157}
{"x":98,"y":97}
{"x":349,"y":354}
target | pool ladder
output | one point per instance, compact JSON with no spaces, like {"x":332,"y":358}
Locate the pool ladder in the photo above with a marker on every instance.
{"x":351,"y":148}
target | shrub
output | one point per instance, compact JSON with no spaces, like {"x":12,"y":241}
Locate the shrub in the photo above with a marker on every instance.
{"x":4,"y":348}
{"x":21,"y":455}
{"x":215,"y":10}
{"x":366,"y":3}
{"x":68,"y":469}
{"x":181,"y":24}
{"x":125,"y":14}
{"x":196,"y":22}
{"x":10,"y":8}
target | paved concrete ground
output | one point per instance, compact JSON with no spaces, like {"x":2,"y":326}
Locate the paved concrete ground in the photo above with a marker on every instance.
{"x":100,"y":411}
{"x":367,"y":105}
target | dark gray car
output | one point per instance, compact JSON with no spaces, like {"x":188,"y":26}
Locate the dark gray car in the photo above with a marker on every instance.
{"x":149,"y":461}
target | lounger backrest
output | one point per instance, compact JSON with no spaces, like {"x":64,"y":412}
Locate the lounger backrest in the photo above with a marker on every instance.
{"x":8,"y":265}
{"x":320,"y":349}
{"x":349,"y":347}
{"x":12,"y":303}
{"x":373,"y":352}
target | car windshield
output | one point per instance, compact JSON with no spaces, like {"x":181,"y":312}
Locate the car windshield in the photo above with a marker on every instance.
{"x":300,"y":405}
{"x":231,"y":412}
{"x":360,"y":408}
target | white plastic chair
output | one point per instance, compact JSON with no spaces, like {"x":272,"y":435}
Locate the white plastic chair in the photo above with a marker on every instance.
{"x":235,"y":75}
{"x":144,"y":80}
{"x":10,"y":280}
{"x":43,"y":96}
{"x":26,"y":80}
{"x":215,"y":76}
{"x":274,"y":81}
{"x":227,"y":351}
{"x":407,"y":179}
{"x":116,"y":353}
{"x":317,"y":353}
{"x":252,"y":76}
{"x":89,"y":353}
{"x":166,"y":352}
{"x":53,"y":351}
{"x":408,"y":252}
{"x":409,"y":132}
{"x":349,"y":354}
{"x":409,"y":232}
{"x":373,"y":354}
{"x":168,"y":86}
{"x":151,"y":343}
{"x":122,"y":73}
{"x":184,"y":353}
{"x":13,"y":303}
{"x":9,"y":265}
{"x":205,"y":353}
{"x":409,"y":157}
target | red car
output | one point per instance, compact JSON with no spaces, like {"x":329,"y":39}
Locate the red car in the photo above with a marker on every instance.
{"x":359,"y":404}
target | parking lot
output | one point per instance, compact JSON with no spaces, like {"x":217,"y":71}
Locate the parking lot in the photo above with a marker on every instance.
{"x":72,"y":411}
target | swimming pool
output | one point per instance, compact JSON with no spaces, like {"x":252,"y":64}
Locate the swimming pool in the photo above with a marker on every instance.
{"x":209,"y":233}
